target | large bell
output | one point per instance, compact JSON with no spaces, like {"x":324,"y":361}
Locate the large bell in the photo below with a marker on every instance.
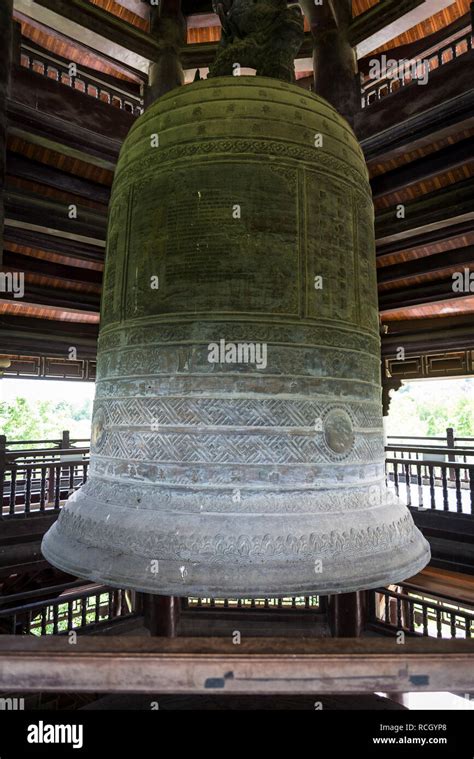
{"x":237,"y":431}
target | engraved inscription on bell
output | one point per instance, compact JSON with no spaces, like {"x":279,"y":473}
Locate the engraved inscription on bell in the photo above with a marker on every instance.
{"x":237,"y":429}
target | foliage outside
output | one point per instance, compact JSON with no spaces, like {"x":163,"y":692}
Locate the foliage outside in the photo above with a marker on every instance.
{"x":427,"y":408}
{"x":24,"y":419}
{"x":423,"y":408}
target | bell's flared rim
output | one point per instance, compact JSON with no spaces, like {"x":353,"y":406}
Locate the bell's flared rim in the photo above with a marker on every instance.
{"x":270,"y":579}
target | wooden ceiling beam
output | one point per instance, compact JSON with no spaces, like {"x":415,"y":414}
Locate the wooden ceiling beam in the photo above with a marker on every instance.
{"x":440,"y":236}
{"x":387,"y":20}
{"x":44,"y":311}
{"x":138,"y":7}
{"x":66,"y":120}
{"x":70,"y":248}
{"x":446,"y":159}
{"x":449,"y":325}
{"x":123,"y":74}
{"x":376,"y":18}
{"x":427,"y":265}
{"x":448,"y":206}
{"x":52,"y":134}
{"x":60,"y":298}
{"x":18,"y":262}
{"x":97,"y":28}
{"x":25,"y":336}
{"x":441,"y":308}
{"x":432,"y":292}
{"x":419,"y":115}
{"x":25,"y":168}
{"x":420,"y":46}
{"x":440,"y":333}
{"x":49,"y":214}
{"x":40,"y":346}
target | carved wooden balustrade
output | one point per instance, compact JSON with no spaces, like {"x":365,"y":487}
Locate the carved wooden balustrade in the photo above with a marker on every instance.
{"x":118,"y":93}
{"x":74,"y":607}
{"x":427,"y":473}
{"x":37,"y":476}
{"x":428,"y":60}
{"x":417,"y":611}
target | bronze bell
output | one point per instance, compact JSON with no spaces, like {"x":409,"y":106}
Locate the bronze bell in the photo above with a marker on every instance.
{"x":237,"y":432}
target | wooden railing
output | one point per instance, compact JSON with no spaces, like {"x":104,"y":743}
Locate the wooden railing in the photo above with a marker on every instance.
{"x":406,"y":608}
{"x":81,"y":610}
{"x":35,"y":479}
{"x":434,"y":473}
{"x":431,"y":59}
{"x":38,"y":476}
{"x":448,"y":440}
{"x":120,"y":94}
{"x":431,"y":484}
{"x":417,"y":611}
{"x":290,"y":603}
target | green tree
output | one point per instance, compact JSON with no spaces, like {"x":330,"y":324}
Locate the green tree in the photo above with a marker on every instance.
{"x":23,"y":419}
{"x":428,"y":407}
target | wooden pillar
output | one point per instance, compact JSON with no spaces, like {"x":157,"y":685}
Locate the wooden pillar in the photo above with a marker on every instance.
{"x":168,"y":27}
{"x":450,"y":442}
{"x":65,"y":443}
{"x":161,"y":615}
{"x":348,"y":614}
{"x":16,"y":44}
{"x":6,"y":35}
{"x":334,"y":59}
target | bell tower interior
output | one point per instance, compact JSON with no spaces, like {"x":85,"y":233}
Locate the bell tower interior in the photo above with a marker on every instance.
{"x":249,"y":227}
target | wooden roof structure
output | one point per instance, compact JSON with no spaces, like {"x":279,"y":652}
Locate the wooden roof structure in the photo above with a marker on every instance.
{"x":64,"y":131}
